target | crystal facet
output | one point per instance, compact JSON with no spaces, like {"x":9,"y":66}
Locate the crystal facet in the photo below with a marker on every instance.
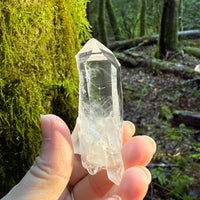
{"x":97,"y":136}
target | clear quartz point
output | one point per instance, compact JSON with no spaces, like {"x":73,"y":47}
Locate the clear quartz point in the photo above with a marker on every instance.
{"x":97,"y":136}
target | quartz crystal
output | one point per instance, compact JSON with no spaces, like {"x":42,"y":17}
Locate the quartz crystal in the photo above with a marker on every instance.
{"x":97,"y":136}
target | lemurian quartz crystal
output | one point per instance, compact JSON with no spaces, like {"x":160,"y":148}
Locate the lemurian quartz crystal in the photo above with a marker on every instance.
{"x":97,"y":136}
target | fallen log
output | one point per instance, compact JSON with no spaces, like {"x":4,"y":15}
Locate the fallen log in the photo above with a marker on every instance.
{"x":189,"y":34}
{"x":126,"y":60}
{"x":194,"y":51}
{"x":135,"y":60}
{"x":187,"y":117}
{"x":148,"y":40}
{"x":126,"y":44}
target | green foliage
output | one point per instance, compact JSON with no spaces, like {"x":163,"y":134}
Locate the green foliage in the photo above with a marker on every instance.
{"x":38,"y":74}
{"x":196,"y":93}
{"x":191,"y":14}
{"x":129,"y":91}
{"x":143,"y":92}
{"x":166,"y":113}
{"x":66,"y":91}
{"x":183,"y":130}
{"x":177,"y":133}
{"x":140,"y":27}
{"x":157,"y":173}
{"x":173,"y":178}
{"x":173,"y":135}
{"x":19,"y":120}
{"x":113,"y":20}
{"x":196,"y":156}
{"x":78,"y":11}
{"x":154,"y":13}
{"x":128,"y":16}
{"x":174,"y":181}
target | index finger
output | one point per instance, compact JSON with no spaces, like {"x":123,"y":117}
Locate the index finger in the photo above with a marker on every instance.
{"x":128,"y":131}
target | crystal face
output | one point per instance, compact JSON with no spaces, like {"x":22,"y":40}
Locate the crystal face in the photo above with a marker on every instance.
{"x":97,"y":136}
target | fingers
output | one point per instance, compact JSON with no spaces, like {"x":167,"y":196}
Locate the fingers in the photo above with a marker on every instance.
{"x":128,"y":131}
{"x":137,"y":151}
{"x":79,"y":172}
{"x":96,"y":186}
{"x":137,"y":178}
{"x":51,"y":171}
{"x":134,"y":184}
{"x":57,"y":151}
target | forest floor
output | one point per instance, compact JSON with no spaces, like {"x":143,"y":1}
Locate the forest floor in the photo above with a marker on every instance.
{"x":150,"y":98}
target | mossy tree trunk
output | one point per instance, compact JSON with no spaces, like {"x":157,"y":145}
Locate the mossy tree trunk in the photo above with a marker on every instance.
{"x":180,"y":15}
{"x":113,"y":20}
{"x":141,"y":23}
{"x":156,"y":15}
{"x":143,"y":18}
{"x":38,"y":75}
{"x":101,"y":22}
{"x":168,"y":39}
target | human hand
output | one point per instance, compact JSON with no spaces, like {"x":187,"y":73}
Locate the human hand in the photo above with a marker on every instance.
{"x":57,"y":172}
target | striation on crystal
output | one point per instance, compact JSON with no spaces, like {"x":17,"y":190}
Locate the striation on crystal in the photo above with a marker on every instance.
{"x":97,"y":136}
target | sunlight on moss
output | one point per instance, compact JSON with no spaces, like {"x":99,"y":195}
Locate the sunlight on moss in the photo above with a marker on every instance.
{"x":38,"y":43}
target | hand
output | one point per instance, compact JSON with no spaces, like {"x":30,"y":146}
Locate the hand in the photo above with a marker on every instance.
{"x":57,"y":172}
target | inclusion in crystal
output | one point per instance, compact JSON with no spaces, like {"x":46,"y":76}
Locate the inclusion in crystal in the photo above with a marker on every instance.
{"x":97,"y":136}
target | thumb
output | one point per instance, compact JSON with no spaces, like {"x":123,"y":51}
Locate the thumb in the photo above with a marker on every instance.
{"x":50,"y":173}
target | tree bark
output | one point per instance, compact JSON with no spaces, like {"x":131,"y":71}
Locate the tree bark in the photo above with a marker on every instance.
{"x":180,"y":18}
{"x":88,"y":13}
{"x":101,"y":22}
{"x":113,"y":20}
{"x":168,"y":40}
{"x":141,"y":24}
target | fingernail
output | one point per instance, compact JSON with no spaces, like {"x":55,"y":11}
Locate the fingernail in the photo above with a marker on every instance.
{"x":147,"y":174}
{"x":115,"y":197}
{"x":153,"y":143}
{"x":132,"y":128}
{"x":45,"y":127}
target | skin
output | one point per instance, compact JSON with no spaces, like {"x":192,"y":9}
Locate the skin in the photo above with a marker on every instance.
{"x":57,"y":172}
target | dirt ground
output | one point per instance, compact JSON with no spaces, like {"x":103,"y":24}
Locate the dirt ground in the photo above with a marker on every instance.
{"x":150,"y":98}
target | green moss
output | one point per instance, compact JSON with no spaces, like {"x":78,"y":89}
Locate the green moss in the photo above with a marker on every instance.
{"x":140,"y":28}
{"x":166,"y":113}
{"x":134,"y":54}
{"x":113,"y":19}
{"x":194,"y":51}
{"x":38,"y":75}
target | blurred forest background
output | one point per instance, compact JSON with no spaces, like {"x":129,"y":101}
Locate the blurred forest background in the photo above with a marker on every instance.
{"x":158,"y":45}
{"x":161,"y":83}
